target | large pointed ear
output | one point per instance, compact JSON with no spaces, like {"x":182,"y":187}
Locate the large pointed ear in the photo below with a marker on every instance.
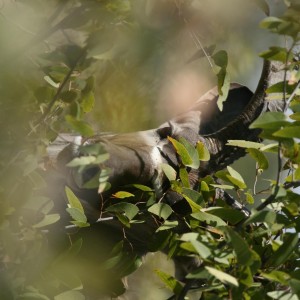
{"x":205,"y":117}
{"x":212,"y":119}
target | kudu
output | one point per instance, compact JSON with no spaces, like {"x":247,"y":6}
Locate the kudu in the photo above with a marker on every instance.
{"x":135,"y":158}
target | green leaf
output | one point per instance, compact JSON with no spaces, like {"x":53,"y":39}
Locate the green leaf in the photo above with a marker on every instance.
{"x":88,"y":101}
{"x":193,"y":195}
{"x":92,"y":149}
{"x":288,"y":132}
{"x":184,"y":177}
{"x":199,"y":247}
{"x":170,"y":282}
{"x":295,"y":116}
{"x":77,"y":215}
{"x":122,"y":195}
{"x":194,"y":206}
{"x":47,"y":220}
{"x":208,"y":218}
{"x":244,"y":144}
{"x":79,"y":126}
{"x":223,"y":277}
{"x":235,"y":174}
{"x":162,"y":210}
{"x":193,"y":153}
{"x":182,"y":152}
{"x":169,"y":171}
{"x":81,"y":161}
{"x":74,"y":202}
{"x":276,"y":53}
{"x":221,"y":60}
{"x":167,"y":225}
{"x":241,"y":248}
{"x":235,"y":178}
{"x":270,"y":22}
{"x":285,"y":250}
{"x":223,"y":186}
{"x":199,"y":273}
{"x":279,"y":88}
{"x":203,"y":153}
{"x":130,"y":210}
{"x":228,"y":214}
{"x":249,"y":198}
{"x":277,"y":276}
{"x":141,"y":187}
{"x":270,"y":120}
{"x":282,"y":295}
{"x":223,"y":87}
{"x":260,"y":158}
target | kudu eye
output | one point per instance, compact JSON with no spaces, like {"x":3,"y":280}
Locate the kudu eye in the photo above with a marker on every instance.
{"x":164,"y":132}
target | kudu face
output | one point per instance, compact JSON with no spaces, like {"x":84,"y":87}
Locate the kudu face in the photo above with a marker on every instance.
{"x":136,"y":158}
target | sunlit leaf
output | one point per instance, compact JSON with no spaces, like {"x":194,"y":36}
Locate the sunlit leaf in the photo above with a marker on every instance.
{"x":170,"y":282}
{"x":244,"y":144}
{"x":142,"y":187}
{"x":167,"y":225}
{"x":88,"y":101}
{"x":122,"y":195}
{"x":276,"y":53}
{"x":162,"y":210}
{"x":235,"y":174}
{"x":260,"y":158}
{"x":47,"y":220}
{"x":222,"y":276}
{"x":288,"y":132}
{"x":130,"y":210}
{"x":280,"y":87}
{"x":192,"y":153}
{"x":240,"y":246}
{"x":277,"y":276}
{"x":227,"y":214}
{"x":169,"y":171}
{"x":249,"y":198}
{"x":182,"y":152}
{"x":77,"y":215}
{"x":193,"y":195}
{"x":73,"y":200}
{"x":203,"y":152}
{"x":270,"y":120}
{"x":221,"y":60}
{"x":184,"y":177}
{"x":208,"y":218}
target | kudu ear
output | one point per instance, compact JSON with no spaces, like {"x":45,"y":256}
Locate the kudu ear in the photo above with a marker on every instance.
{"x":205,"y":117}
{"x":212,"y":118}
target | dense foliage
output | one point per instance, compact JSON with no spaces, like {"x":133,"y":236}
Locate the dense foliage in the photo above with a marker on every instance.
{"x":47,"y":86}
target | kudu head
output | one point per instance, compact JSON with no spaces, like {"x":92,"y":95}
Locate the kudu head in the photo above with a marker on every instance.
{"x":136,"y":157}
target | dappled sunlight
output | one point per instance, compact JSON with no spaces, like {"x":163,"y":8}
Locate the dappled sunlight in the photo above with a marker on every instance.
{"x":180,"y":91}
